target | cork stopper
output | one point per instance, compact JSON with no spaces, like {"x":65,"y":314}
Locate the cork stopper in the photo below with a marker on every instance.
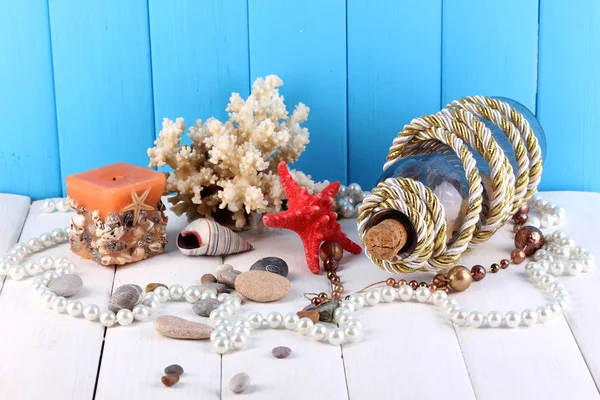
{"x":386,"y":239}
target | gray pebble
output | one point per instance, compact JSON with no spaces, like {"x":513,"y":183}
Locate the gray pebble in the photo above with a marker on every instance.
{"x":219,"y":287}
{"x":228,"y":278}
{"x":271,"y":264}
{"x":174,"y":369}
{"x":326,"y":311}
{"x":281,"y":352}
{"x":66,"y":285}
{"x":204,"y":307}
{"x":239,"y":383}
{"x":126,"y":296}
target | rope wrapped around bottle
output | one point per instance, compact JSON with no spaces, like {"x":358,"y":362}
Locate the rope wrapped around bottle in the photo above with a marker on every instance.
{"x":459,"y":128}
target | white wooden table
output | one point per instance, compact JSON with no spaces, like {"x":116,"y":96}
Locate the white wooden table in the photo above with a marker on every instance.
{"x":409,"y":350}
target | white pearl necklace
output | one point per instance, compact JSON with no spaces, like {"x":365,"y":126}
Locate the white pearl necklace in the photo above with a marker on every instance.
{"x":49,"y":206}
{"x":348,"y":200}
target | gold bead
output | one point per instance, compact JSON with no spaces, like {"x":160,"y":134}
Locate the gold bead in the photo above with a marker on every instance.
{"x":338,"y":288}
{"x":347,"y":297}
{"x":459,"y":278}
{"x":423,"y":284}
{"x":495,"y":267}
{"x":330,"y":274}
{"x":322,"y":295}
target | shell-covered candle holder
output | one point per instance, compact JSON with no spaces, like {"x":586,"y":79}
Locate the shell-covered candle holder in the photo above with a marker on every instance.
{"x":119,"y":216}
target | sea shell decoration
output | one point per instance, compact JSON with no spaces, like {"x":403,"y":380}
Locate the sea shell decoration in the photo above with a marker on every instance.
{"x":205,"y":237}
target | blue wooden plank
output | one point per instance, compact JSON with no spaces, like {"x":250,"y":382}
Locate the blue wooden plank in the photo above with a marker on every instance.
{"x":393,"y":76}
{"x":29,"y":162}
{"x":199,"y":57}
{"x":103,"y":82}
{"x":490,"y":48}
{"x":304,"y":42}
{"x":569,"y":93}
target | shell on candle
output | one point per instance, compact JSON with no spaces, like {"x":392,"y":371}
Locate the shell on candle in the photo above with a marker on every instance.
{"x":205,"y":237}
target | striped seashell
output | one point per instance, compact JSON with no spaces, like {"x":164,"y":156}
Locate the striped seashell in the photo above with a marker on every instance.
{"x":204,"y":237}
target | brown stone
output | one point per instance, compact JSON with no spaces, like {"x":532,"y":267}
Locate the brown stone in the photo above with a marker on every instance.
{"x":386,"y":239}
{"x":151,"y":286}
{"x":179,"y":328}
{"x":313,"y":315}
{"x":208,"y":278}
{"x":262,"y":286}
{"x":170,"y":379}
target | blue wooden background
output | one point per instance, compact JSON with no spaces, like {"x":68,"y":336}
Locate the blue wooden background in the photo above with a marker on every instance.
{"x":85,"y":83}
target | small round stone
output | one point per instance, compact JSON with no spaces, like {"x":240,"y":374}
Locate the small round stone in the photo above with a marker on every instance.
{"x":66,"y":285}
{"x":208,"y":278}
{"x":281,"y":352}
{"x":204,"y":307}
{"x":239,"y":383}
{"x":330,"y":248}
{"x":170,"y":379}
{"x":271,"y":264}
{"x":174,"y":369}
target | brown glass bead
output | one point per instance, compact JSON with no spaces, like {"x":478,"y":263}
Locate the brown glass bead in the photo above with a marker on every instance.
{"x":330,"y":264}
{"x":478,"y":272}
{"x":445,"y":289}
{"x":520,"y":218}
{"x":315,"y":301}
{"x":335,"y":280}
{"x":423,"y":284}
{"x":336,"y":295}
{"x":495,"y":268}
{"x":322,"y":295}
{"x":516,"y":228}
{"x":414,"y":284}
{"x":517,"y":256}
{"x":329,"y":249}
{"x":432,"y":288}
{"x":390,"y":282}
{"x":440,"y":280}
{"x":459,"y":278}
{"x":524,"y":208}
{"x":504,"y":263}
{"x":330,"y":274}
{"x":338,"y":287}
{"x":529,"y":239}
{"x":402,"y":282}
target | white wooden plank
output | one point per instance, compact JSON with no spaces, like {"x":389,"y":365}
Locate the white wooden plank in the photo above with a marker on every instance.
{"x":582,"y":223}
{"x":45,"y":355}
{"x":537,"y":362}
{"x":314,"y":370}
{"x":139,"y":353}
{"x":407,"y":349}
{"x":13,"y":211}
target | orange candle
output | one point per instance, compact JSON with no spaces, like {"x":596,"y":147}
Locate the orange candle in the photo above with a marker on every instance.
{"x":119,"y":214}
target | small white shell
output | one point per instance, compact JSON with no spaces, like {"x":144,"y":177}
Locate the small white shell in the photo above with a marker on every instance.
{"x":204,"y":237}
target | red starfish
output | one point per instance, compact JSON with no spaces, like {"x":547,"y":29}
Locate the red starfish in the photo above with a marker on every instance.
{"x":310,"y":216}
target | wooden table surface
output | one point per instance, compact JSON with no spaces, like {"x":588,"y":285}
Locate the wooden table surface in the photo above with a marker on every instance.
{"x":409,"y":351}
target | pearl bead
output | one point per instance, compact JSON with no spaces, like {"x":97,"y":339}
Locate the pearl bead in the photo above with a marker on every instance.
{"x":574,"y":267}
{"x":163,"y":294}
{"x":541,"y":254}
{"x":208,"y":294}
{"x":555,"y":308}
{"x":352,"y":321}
{"x":48,"y":299}
{"x":192,"y":294}
{"x":347,"y":305}
{"x":274,"y":320}
{"x":372,"y":297}
{"x":140,"y":312}
{"x":217,"y":314}
{"x":218,"y":332}
{"x":335,"y":336}
{"x":304,"y":326}
{"x":23,"y":247}
{"x":545,"y":314}
{"x":547,"y":220}
{"x":557,"y":267}
{"x":460,"y":317}
{"x":560,"y":215}
{"x":124,"y":317}
{"x":46,"y":263}
{"x":91,"y":312}
{"x":108,"y":318}
{"x":567,"y":242}
{"x":512,"y":319}
{"x":388,"y":295}
{"x":234,"y":302}
{"x":578,"y":252}
{"x":422,"y":294}
{"x":357,"y":300}
{"x":318,"y":331}
{"x":243,"y":322}
{"x":57,"y":262}
{"x":530,"y":267}
{"x":48,"y":206}
{"x":226,"y":309}
{"x":449,"y":301}
{"x":545,"y":264}
{"x":529,"y":317}
{"x":450,"y":310}
{"x":62,"y":206}
{"x":238,"y":340}
{"x":151,"y":303}
{"x":537,"y":274}
{"x":405,"y":292}
{"x":4,"y":267}
{"x":347,"y":210}
{"x":343,"y":191}
{"x":587,"y":263}
{"x":562,"y":253}
{"x":62,"y":271}
{"x":343,"y":319}
{"x":535,"y":201}
{"x":58,"y":235}
{"x":34,"y":244}
{"x":221,"y":345}
{"x":256,"y":320}
{"x":291,"y":319}
{"x":564,"y":306}
{"x":17,"y":254}
{"x":59,"y":304}
{"x":46,"y":240}
{"x":355,"y":190}
{"x":532,"y":221}
{"x":546,"y":280}
{"x":548,"y":207}
{"x":352,"y":334}
{"x":74,"y":308}
{"x":152,"y":296}
{"x":176,"y":292}
{"x":222,"y":297}
{"x":589,"y":255}
{"x":438,"y":297}
{"x":494,"y":319}
{"x":17,"y":272}
{"x":476,"y":319}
